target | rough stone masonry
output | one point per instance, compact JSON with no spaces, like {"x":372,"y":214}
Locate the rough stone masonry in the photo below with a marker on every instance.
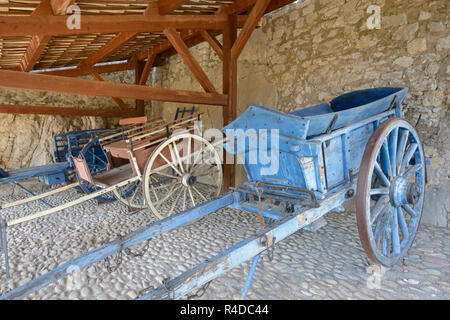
{"x":311,"y":51}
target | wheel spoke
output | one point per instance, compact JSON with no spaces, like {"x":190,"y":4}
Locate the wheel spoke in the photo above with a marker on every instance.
{"x":174,"y":203}
{"x":385,"y":159}
{"x":408,"y":155}
{"x":402,"y":223}
{"x":192,"y":197}
{"x":188,"y":158}
{"x":384,"y":242}
{"x":178,"y":156}
{"x":134,"y":194}
{"x":184,"y":199}
{"x":200,"y":152}
{"x":170,"y":164}
{"x":165,"y":175}
{"x":411,"y":170}
{"x":395,"y":234}
{"x":161,"y":201}
{"x":401,"y":148}
{"x":380,"y":207}
{"x":165,"y":185}
{"x":409,"y":210}
{"x":379,"y":191}
{"x":381,"y":175}
{"x":209,"y":171}
{"x":393,"y":139}
{"x":379,"y":229}
{"x":388,"y":236}
{"x":201,"y":195}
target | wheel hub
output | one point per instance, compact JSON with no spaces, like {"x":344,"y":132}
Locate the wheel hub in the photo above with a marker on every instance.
{"x":404,"y":192}
{"x":188,"y":180}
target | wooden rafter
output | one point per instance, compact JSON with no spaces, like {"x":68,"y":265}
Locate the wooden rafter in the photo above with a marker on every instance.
{"x":56,"y":25}
{"x":249,"y":26}
{"x":179,"y":45}
{"x":38,"y":43}
{"x":38,"y":82}
{"x":77,"y":72}
{"x":147,"y":68}
{"x":115,"y":43}
{"x":119,"y":101}
{"x":213,"y":42}
{"x":107,"y":49}
{"x":236,"y":8}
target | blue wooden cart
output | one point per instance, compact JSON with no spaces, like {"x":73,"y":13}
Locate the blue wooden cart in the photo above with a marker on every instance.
{"x":358,"y":145}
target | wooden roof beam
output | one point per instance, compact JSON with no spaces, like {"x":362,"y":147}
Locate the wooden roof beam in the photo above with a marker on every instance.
{"x":77,"y":72}
{"x":107,"y":49}
{"x":115,"y":43}
{"x":183,"y":51}
{"x":56,"y":25}
{"x":38,"y":43}
{"x":63,"y":111}
{"x":39,"y":82}
{"x":249,"y":26}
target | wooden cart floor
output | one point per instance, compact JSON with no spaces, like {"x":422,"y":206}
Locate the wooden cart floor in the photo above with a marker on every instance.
{"x":114,"y":176}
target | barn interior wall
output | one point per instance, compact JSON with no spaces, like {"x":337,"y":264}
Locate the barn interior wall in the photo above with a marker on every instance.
{"x":312,"y":51}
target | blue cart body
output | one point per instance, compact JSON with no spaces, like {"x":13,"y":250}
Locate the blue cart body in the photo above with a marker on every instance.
{"x":320,"y":147}
{"x":65,"y":144}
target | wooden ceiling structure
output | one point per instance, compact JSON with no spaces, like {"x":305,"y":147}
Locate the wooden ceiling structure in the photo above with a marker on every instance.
{"x":40,"y":52}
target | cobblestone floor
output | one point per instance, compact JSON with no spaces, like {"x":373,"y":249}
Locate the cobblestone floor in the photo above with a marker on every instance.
{"x":327,"y":264}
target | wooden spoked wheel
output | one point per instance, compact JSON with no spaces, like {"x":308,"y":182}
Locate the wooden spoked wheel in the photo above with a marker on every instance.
{"x":131,"y":195}
{"x":390,"y":191}
{"x":182,"y":172}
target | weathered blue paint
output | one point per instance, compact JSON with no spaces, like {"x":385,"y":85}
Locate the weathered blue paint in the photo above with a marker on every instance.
{"x":311,"y":155}
{"x":248,"y":281}
{"x":4,"y":245}
{"x":49,"y":169}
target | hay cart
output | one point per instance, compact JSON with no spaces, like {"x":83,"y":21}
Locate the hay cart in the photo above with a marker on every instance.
{"x":358,"y":145}
{"x":150,"y":164}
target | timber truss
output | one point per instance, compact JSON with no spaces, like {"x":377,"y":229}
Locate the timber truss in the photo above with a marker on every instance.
{"x":121,"y":35}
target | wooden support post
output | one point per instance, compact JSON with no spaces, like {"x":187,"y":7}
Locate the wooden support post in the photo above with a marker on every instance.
{"x":230,"y":88}
{"x":140,"y":107}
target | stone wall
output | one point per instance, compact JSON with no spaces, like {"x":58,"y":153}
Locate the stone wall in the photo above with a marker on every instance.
{"x":27,"y":140}
{"x":312,"y":51}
